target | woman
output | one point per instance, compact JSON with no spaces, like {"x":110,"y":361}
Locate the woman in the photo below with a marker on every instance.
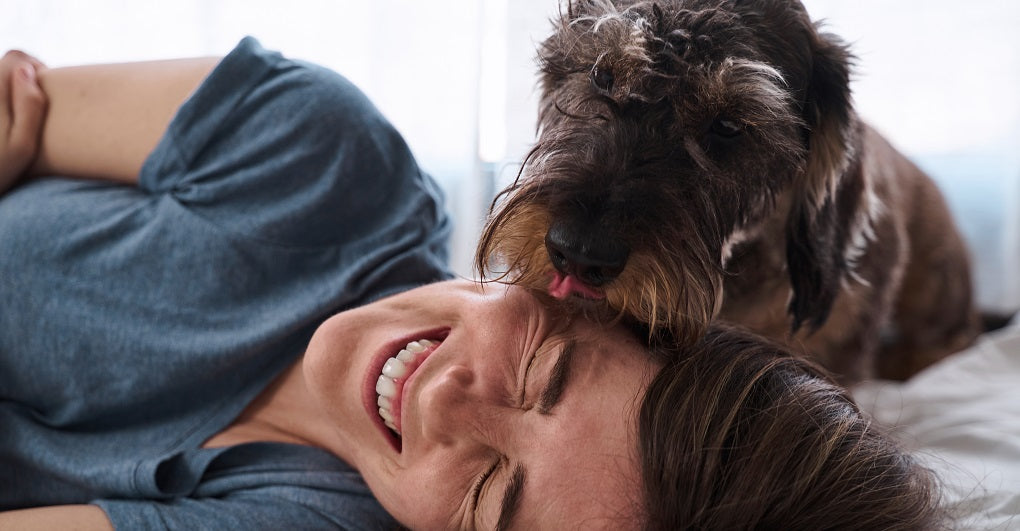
{"x":172,"y":356}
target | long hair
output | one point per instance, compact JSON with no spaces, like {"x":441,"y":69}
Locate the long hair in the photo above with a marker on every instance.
{"x":736,"y":433}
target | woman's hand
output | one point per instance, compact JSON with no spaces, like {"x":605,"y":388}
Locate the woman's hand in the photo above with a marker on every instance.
{"x":22,"y":109}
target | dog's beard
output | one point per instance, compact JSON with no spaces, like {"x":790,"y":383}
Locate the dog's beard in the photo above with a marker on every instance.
{"x":677,"y":295}
{"x":669,"y":288}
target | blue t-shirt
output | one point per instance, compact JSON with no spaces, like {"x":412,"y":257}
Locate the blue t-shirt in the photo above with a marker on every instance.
{"x":136,"y":322}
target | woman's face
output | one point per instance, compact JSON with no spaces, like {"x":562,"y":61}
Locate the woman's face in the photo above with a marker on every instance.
{"x":507,"y":416}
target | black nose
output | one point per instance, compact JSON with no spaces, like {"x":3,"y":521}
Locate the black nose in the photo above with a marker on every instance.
{"x":591,"y":256}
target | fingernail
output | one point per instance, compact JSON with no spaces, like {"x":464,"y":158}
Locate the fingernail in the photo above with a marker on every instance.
{"x":28,"y":74}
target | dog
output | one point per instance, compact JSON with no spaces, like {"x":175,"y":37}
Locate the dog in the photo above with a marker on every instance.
{"x":700,"y":160}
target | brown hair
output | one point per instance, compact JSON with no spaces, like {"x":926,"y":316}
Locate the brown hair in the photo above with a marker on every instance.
{"x":736,"y":433}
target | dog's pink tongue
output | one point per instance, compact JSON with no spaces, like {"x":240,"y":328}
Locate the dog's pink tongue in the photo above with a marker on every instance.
{"x":562,"y":286}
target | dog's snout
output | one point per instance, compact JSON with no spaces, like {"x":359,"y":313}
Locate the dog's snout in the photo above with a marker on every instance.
{"x":592,"y":257}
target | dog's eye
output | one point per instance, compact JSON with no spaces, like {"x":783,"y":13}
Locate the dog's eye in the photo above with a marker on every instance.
{"x":602,"y":79}
{"x":726,"y":128}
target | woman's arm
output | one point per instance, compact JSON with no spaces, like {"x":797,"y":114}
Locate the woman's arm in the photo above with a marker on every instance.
{"x":71,"y":517}
{"x":97,"y":121}
{"x":104,"y":120}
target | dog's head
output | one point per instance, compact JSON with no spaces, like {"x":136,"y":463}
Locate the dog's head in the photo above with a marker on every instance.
{"x":668,"y":132}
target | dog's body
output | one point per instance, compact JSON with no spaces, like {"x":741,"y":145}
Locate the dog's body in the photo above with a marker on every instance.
{"x":700,"y":160}
{"x":909,"y":286}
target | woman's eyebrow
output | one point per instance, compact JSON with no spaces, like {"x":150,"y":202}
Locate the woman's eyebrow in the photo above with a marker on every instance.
{"x":557,"y":379}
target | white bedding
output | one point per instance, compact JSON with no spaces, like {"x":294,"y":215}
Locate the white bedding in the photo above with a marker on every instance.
{"x":963,"y":416}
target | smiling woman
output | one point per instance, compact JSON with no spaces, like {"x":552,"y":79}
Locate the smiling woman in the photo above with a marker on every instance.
{"x":499,"y":414}
{"x":222,"y":311}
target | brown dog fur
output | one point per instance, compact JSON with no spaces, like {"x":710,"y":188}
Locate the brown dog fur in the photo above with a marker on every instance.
{"x":700,"y":160}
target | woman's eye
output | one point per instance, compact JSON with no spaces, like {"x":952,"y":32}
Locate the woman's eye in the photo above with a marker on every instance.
{"x":479,"y":484}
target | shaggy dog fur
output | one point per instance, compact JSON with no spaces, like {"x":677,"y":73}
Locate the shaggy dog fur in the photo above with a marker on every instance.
{"x":701,"y":160}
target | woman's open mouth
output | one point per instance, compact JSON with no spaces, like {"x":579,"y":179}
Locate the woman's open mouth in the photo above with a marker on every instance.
{"x":394,"y":374}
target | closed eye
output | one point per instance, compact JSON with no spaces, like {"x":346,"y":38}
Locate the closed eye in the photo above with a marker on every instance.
{"x":479,"y":484}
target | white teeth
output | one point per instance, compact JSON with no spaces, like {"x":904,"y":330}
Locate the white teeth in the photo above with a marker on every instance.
{"x":396,"y":368}
{"x":386,"y":387}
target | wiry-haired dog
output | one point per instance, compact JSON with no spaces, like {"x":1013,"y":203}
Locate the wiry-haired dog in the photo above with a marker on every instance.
{"x":700,"y":160}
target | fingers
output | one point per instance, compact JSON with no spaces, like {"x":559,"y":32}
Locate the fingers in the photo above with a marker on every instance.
{"x":22,"y":111}
{"x":6,"y":66}
{"x":28,"y":106}
{"x":17,"y":56}
{"x":9,"y":63}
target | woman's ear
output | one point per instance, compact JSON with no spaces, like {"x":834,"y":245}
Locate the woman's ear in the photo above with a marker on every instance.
{"x":817,"y":228}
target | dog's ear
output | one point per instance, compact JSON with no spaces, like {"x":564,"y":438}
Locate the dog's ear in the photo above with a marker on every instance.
{"x":814,"y":261}
{"x":816,"y":231}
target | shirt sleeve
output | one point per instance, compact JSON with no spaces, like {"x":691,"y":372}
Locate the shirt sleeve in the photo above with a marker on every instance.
{"x":292,"y":154}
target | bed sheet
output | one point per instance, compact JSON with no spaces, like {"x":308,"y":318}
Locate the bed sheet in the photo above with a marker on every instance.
{"x":962,"y":416}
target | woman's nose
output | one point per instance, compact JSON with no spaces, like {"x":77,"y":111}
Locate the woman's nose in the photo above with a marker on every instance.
{"x":450,"y":405}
